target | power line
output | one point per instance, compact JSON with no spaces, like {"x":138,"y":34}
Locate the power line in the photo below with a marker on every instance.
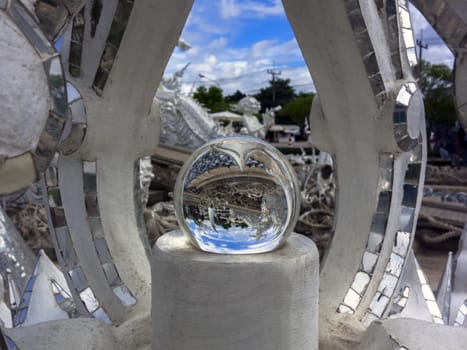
{"x":274,"y":72}
{"x":421,"y":45}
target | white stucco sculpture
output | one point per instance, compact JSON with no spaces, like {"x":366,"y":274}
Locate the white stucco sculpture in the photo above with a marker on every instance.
{"x":368,"y":115}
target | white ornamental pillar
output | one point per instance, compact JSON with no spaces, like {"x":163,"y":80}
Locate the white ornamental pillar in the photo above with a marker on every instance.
{"x":206,"y":301}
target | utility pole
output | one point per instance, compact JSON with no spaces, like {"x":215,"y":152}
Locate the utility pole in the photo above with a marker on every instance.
{"x":421,"y":46}
{"x":274,"y":72}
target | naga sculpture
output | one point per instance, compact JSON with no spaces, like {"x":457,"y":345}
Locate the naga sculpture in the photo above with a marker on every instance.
{"x":79,"y":119}
{"x":186,"y":124}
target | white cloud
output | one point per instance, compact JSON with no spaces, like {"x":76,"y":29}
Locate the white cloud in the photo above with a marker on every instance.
{"x":218,"y":43}
{"x":262,"y":9}
{"x":248,"y":8}
{"x":229,"y":9}
{"x":245,"y":68}
{"x":258,"y":49}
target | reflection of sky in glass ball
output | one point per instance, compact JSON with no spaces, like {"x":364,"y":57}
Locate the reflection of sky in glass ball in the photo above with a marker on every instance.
{"x":222,"y":239}
{"x":238,"y":197}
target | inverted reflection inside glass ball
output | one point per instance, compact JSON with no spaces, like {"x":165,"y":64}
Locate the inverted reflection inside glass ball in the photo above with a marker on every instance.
{"x":235,"y":198}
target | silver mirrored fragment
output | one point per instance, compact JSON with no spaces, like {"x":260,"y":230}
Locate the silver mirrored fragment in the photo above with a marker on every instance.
{"x":407,"y":115}
{"x":95,"y":225}
{"x":413,"y":172}
{"x":89,"y":300}
{"x":78,"y":112}
{"x":115,"y":36}
{"x":89,"y":168}
{"x":409,"y":198}
{"x":78,"y":279}
{"x":51,"y":176}
{"x":374,"y":242}
{"x":65,"y":245}
{"x":405,"y":17}
{"x":379,"y":223}
{"x":72,"y":92}
{"x":76,"y":45}
{"x":54,"y":196}
{"x":388,"y":285}
{"x":407,"y":33}
{"x":385,"y":179}
{"x":111,"y":274}
{"x":75,"y":130}
{"x":395,"y":264}
{"x":344,"y":309}
{"x":407,"y":219}
{"x":412,"y":56}
{"x":352,"y":299}
{"x":401,"y":243}
{"x":369,"y":262}
{"x":360,"y":282}
{"x":58,"y":217}
{"x":384,"y":202}
{"x":48,"y":141}
{"x":92,"y":207}
{"x":63,"y":299}
{"x":102,"y":250}
{"x":100,"y":314}
{"x":461,"y":315}
{"x":89,"y":183}
{"x":379,"y":304}
{"x":400,"y":300}
{"x":125,"y":296}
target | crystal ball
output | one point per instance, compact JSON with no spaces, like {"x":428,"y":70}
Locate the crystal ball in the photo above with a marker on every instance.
{"x":237,"y":195}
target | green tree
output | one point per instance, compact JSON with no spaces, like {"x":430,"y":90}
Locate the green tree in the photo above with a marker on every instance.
{"x":211,"y":98}
{"x":437,"y":85}
{"x":235,"y":97}
{"x":281,"y":89}
{"x":297,"y":109}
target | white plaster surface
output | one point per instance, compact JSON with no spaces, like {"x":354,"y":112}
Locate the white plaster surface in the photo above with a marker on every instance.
{"x":24,"y":93}
{"x":348,"y":117}
{"x":135,"y":333}
{"x":350,"y":124}
{"x":413,"y":335}
{"x":72,"y":334}
{"x":226,"y":302}
{"x":120,"y":130}
{"x":71,"y":184}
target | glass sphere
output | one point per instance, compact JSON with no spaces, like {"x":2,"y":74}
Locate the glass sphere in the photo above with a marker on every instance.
{"x":237,"y":195}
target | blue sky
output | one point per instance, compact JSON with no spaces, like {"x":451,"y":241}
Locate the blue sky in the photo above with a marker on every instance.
{"x":234,"y":42}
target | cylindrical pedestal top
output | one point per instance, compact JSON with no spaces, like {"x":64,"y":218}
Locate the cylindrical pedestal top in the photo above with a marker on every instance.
{"x":204,"y":301}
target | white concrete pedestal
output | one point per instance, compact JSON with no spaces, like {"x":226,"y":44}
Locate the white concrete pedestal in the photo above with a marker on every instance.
{"x":204,"y":301}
